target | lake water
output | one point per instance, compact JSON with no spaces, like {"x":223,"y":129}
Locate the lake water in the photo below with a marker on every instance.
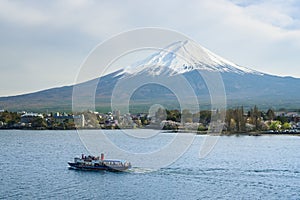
{"x":33,"y":165}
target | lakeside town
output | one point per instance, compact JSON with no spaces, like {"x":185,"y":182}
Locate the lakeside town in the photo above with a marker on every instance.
{"x":236,"y":121}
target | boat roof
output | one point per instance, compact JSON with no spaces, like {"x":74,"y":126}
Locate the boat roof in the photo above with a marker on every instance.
{"x":114,"y":160}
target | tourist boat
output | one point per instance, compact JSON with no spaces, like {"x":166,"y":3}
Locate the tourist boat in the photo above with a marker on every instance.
{"x":99,"y":163}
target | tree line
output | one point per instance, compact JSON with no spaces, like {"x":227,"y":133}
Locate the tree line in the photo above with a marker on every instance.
{"x":236,"y":119}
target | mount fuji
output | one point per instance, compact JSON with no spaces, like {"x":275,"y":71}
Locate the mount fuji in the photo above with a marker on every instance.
{"x":243,"y":86}
{"x":185,"y":56}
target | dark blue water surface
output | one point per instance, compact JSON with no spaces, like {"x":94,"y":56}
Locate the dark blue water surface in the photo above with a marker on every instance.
{"x":33,"y":165}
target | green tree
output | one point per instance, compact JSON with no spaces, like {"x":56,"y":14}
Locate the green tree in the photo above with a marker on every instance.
{"x":230,"y":123}
{"x":187,"y":116}
{"x":255,"y":116}
{"x":275,"y":125}
{"x":205,"y":116}
{"x":286,"y":126}
{"x":271,"y":114}
{"x":144,"y":120}
{"x":10,"y":118}
{"x":282,"y":119}
{"x":239,"y":119}
{"x":174,"y":115}
{"x":202,"y":128}
{"x":235,"y":120}
{"x":161,"y":114}
{"x":38,"y":122}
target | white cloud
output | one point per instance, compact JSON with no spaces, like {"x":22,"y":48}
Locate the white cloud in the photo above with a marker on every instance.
{"x":277,"y":13}
{"x":19,"y":12}
{"x":264,"y":35}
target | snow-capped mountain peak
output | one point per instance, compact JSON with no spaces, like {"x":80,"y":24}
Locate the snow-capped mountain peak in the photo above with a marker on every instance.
{"x":184,"y":56}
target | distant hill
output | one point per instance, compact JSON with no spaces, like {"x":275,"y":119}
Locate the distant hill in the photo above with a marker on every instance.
{"x":243,"y":86}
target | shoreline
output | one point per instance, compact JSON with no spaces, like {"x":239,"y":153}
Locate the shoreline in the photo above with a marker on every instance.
{"x":258,"y":133}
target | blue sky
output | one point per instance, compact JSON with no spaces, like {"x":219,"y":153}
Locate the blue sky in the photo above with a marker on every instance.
{"x":43,"y":43}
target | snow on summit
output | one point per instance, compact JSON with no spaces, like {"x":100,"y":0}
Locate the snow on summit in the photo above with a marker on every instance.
{"x":184,"y":56}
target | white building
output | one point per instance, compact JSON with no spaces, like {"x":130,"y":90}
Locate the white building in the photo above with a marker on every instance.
{"x":29,"y":117}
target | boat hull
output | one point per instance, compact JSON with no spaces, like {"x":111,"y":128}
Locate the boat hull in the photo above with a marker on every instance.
{"x":98,"y":168}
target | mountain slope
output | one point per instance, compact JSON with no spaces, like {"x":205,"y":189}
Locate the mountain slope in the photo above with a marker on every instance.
{"x":185,"y":56}
{"x":186,"y":59}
